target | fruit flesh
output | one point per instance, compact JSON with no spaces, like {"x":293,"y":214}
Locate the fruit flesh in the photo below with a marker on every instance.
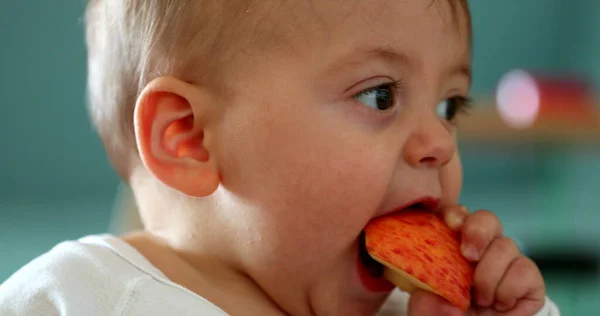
{"x":420,"y":251}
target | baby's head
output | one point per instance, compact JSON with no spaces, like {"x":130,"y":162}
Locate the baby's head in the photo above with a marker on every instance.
{"x":268,"y":133}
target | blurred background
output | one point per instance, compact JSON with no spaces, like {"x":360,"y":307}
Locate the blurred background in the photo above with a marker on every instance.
{"x":531,"y":147}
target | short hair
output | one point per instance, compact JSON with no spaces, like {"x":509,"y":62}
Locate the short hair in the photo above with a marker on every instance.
{"x":456,"y":7}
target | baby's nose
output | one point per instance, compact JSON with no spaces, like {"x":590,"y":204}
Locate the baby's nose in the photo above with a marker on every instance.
{"x":431,"y":145}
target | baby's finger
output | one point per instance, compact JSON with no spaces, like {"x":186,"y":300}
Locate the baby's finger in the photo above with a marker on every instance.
{"x":425,"y":303}
{"x":478,"y":231}
{"x":522,"y":280}
{"x":490,"y":271}
{"x":454,"y":216}
{"x":523,"y":308}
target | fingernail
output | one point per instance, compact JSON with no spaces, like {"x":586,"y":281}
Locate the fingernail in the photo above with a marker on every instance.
{"x":503,"y":306}
{"x":469,"y":252}
{"x":450,"y":310}
{"x":454,"y":220}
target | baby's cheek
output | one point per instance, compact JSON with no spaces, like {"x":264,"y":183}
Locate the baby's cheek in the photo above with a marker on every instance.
{"x":310,"y":174}
{"x":339,"y":184}
{"x":355,"y":184}
{"x":323,"y":209}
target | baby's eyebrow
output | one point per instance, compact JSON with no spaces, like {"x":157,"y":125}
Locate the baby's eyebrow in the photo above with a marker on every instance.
{"x":394,"y":57}
{"x":464,"y":70}
{"x":358,"y":56}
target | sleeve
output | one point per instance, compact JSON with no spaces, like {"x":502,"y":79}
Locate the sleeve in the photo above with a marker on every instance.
{"x":65,"y":281}
{"x":395,"y":305}
{"x":398,"y":301}
{"x":549,"y":309}
{"x":28,"y":293}
{"x":25,"y":301}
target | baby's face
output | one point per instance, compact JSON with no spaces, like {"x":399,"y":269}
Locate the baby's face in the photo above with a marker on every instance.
{"x":351,"y":119}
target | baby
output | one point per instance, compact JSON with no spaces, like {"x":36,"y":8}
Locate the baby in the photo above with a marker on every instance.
{"x":259,"y":138}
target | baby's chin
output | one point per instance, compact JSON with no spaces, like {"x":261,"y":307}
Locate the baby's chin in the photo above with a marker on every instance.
{"x":340,"y":289}
{"x":361,"y":308}
{"x":365,"y":290}
{"x":354,"y":301}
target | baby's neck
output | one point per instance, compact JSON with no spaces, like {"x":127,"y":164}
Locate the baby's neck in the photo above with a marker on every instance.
{"x":209,"y":278}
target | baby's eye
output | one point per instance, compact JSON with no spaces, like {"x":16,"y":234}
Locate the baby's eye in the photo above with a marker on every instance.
{"x":380,"y":98}
{"x":449,"y":108}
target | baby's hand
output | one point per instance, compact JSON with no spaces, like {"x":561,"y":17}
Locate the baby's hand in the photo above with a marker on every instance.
{"x":506,"y":282}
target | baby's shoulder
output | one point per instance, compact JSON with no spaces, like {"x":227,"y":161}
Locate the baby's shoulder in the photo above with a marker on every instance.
{"x":96,"y":275}
{"x":70,"y":276}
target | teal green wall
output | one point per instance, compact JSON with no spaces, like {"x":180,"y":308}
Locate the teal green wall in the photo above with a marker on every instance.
{"x":513,"y":34}
{"x":48,"y":149}
{"x":549,"y":35}
{"x":55,"y":182}
{"x":581,"y":41}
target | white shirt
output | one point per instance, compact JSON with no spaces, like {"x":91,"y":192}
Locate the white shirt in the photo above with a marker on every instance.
{"x":104,"y":276}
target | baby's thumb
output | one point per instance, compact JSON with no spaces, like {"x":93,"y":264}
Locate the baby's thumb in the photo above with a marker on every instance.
{"x":423,"y":303}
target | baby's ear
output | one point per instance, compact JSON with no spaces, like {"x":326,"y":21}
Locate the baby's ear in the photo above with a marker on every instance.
{"x":171,"y":120}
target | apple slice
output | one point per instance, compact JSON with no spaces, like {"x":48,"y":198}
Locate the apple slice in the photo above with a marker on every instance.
{"x":418,"y":250}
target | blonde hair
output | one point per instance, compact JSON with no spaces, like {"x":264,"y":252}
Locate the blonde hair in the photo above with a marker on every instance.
{"x":131,"y":42}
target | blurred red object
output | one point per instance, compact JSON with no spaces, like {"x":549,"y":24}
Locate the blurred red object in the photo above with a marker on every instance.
{"x":525,"y":99}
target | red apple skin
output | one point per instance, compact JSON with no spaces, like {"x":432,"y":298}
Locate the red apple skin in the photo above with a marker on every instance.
{"x":422,"y":245}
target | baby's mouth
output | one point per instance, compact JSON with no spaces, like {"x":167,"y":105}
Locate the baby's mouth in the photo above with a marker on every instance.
{"x":374,"y":268}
